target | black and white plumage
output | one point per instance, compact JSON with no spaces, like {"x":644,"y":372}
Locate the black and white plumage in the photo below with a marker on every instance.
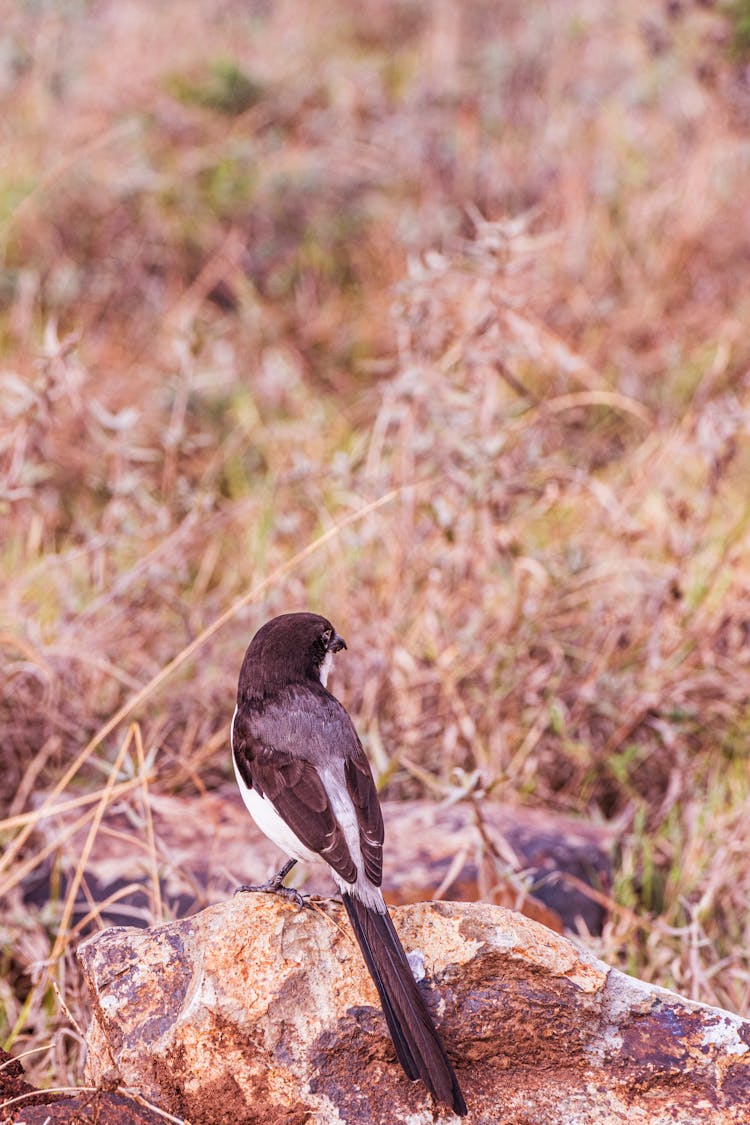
{"x":307,"y":783}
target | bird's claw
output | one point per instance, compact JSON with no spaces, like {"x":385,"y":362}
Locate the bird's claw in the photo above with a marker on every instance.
{"x":274,"y":887}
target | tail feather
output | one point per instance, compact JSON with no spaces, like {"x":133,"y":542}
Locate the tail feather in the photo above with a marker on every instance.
{"x":418,"y":1044}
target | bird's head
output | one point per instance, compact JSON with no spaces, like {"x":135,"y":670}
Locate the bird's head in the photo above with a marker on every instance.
{"x":292,"y":648}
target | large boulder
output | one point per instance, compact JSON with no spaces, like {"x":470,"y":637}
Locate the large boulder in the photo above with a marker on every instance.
{"x":256,"y":1010}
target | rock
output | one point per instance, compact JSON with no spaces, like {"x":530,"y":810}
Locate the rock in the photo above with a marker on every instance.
{"x":256,"y":1011}
{"x":13,"y":1086}
{"x":22,"y":1104}
{"x":564,"y":861}
{"x":101,"y":1107}
{"x":429,"y":849}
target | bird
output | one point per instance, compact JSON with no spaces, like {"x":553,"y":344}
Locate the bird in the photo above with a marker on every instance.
{"x":307,"y":783}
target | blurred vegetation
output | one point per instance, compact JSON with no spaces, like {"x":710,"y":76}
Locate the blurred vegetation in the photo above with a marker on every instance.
{"x":224,"y":87}
{"x":490,"y":258}
{"x":739,"y":16}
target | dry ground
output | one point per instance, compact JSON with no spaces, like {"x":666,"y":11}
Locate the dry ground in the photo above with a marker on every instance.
{"x":430,"y":316}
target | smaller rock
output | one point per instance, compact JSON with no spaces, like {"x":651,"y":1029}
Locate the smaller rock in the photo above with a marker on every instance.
{"x":429,"y":849}
{"x":22,"y":1104}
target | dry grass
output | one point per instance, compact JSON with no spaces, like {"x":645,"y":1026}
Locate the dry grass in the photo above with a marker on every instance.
{"x":402,"y":315}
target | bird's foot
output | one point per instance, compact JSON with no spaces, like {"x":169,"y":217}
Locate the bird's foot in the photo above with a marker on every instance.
{"x":275,"y":886}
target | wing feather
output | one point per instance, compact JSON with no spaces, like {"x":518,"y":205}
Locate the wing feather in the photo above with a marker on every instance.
{"x":361,"y":786}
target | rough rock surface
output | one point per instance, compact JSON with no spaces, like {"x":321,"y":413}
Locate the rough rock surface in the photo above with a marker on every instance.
{"x":257,"y":1011}
{"x":22,"y":1104}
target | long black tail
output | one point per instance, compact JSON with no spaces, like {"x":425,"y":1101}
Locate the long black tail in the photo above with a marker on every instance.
{"x":418,"y":1045}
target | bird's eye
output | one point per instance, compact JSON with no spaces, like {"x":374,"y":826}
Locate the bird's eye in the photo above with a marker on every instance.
{"x":326,"y":637}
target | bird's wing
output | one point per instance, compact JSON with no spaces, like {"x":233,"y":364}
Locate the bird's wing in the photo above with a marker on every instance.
{"x":279,"y":749}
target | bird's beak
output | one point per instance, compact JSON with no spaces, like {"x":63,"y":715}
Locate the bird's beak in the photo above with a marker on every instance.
{"x":336,"y":643}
